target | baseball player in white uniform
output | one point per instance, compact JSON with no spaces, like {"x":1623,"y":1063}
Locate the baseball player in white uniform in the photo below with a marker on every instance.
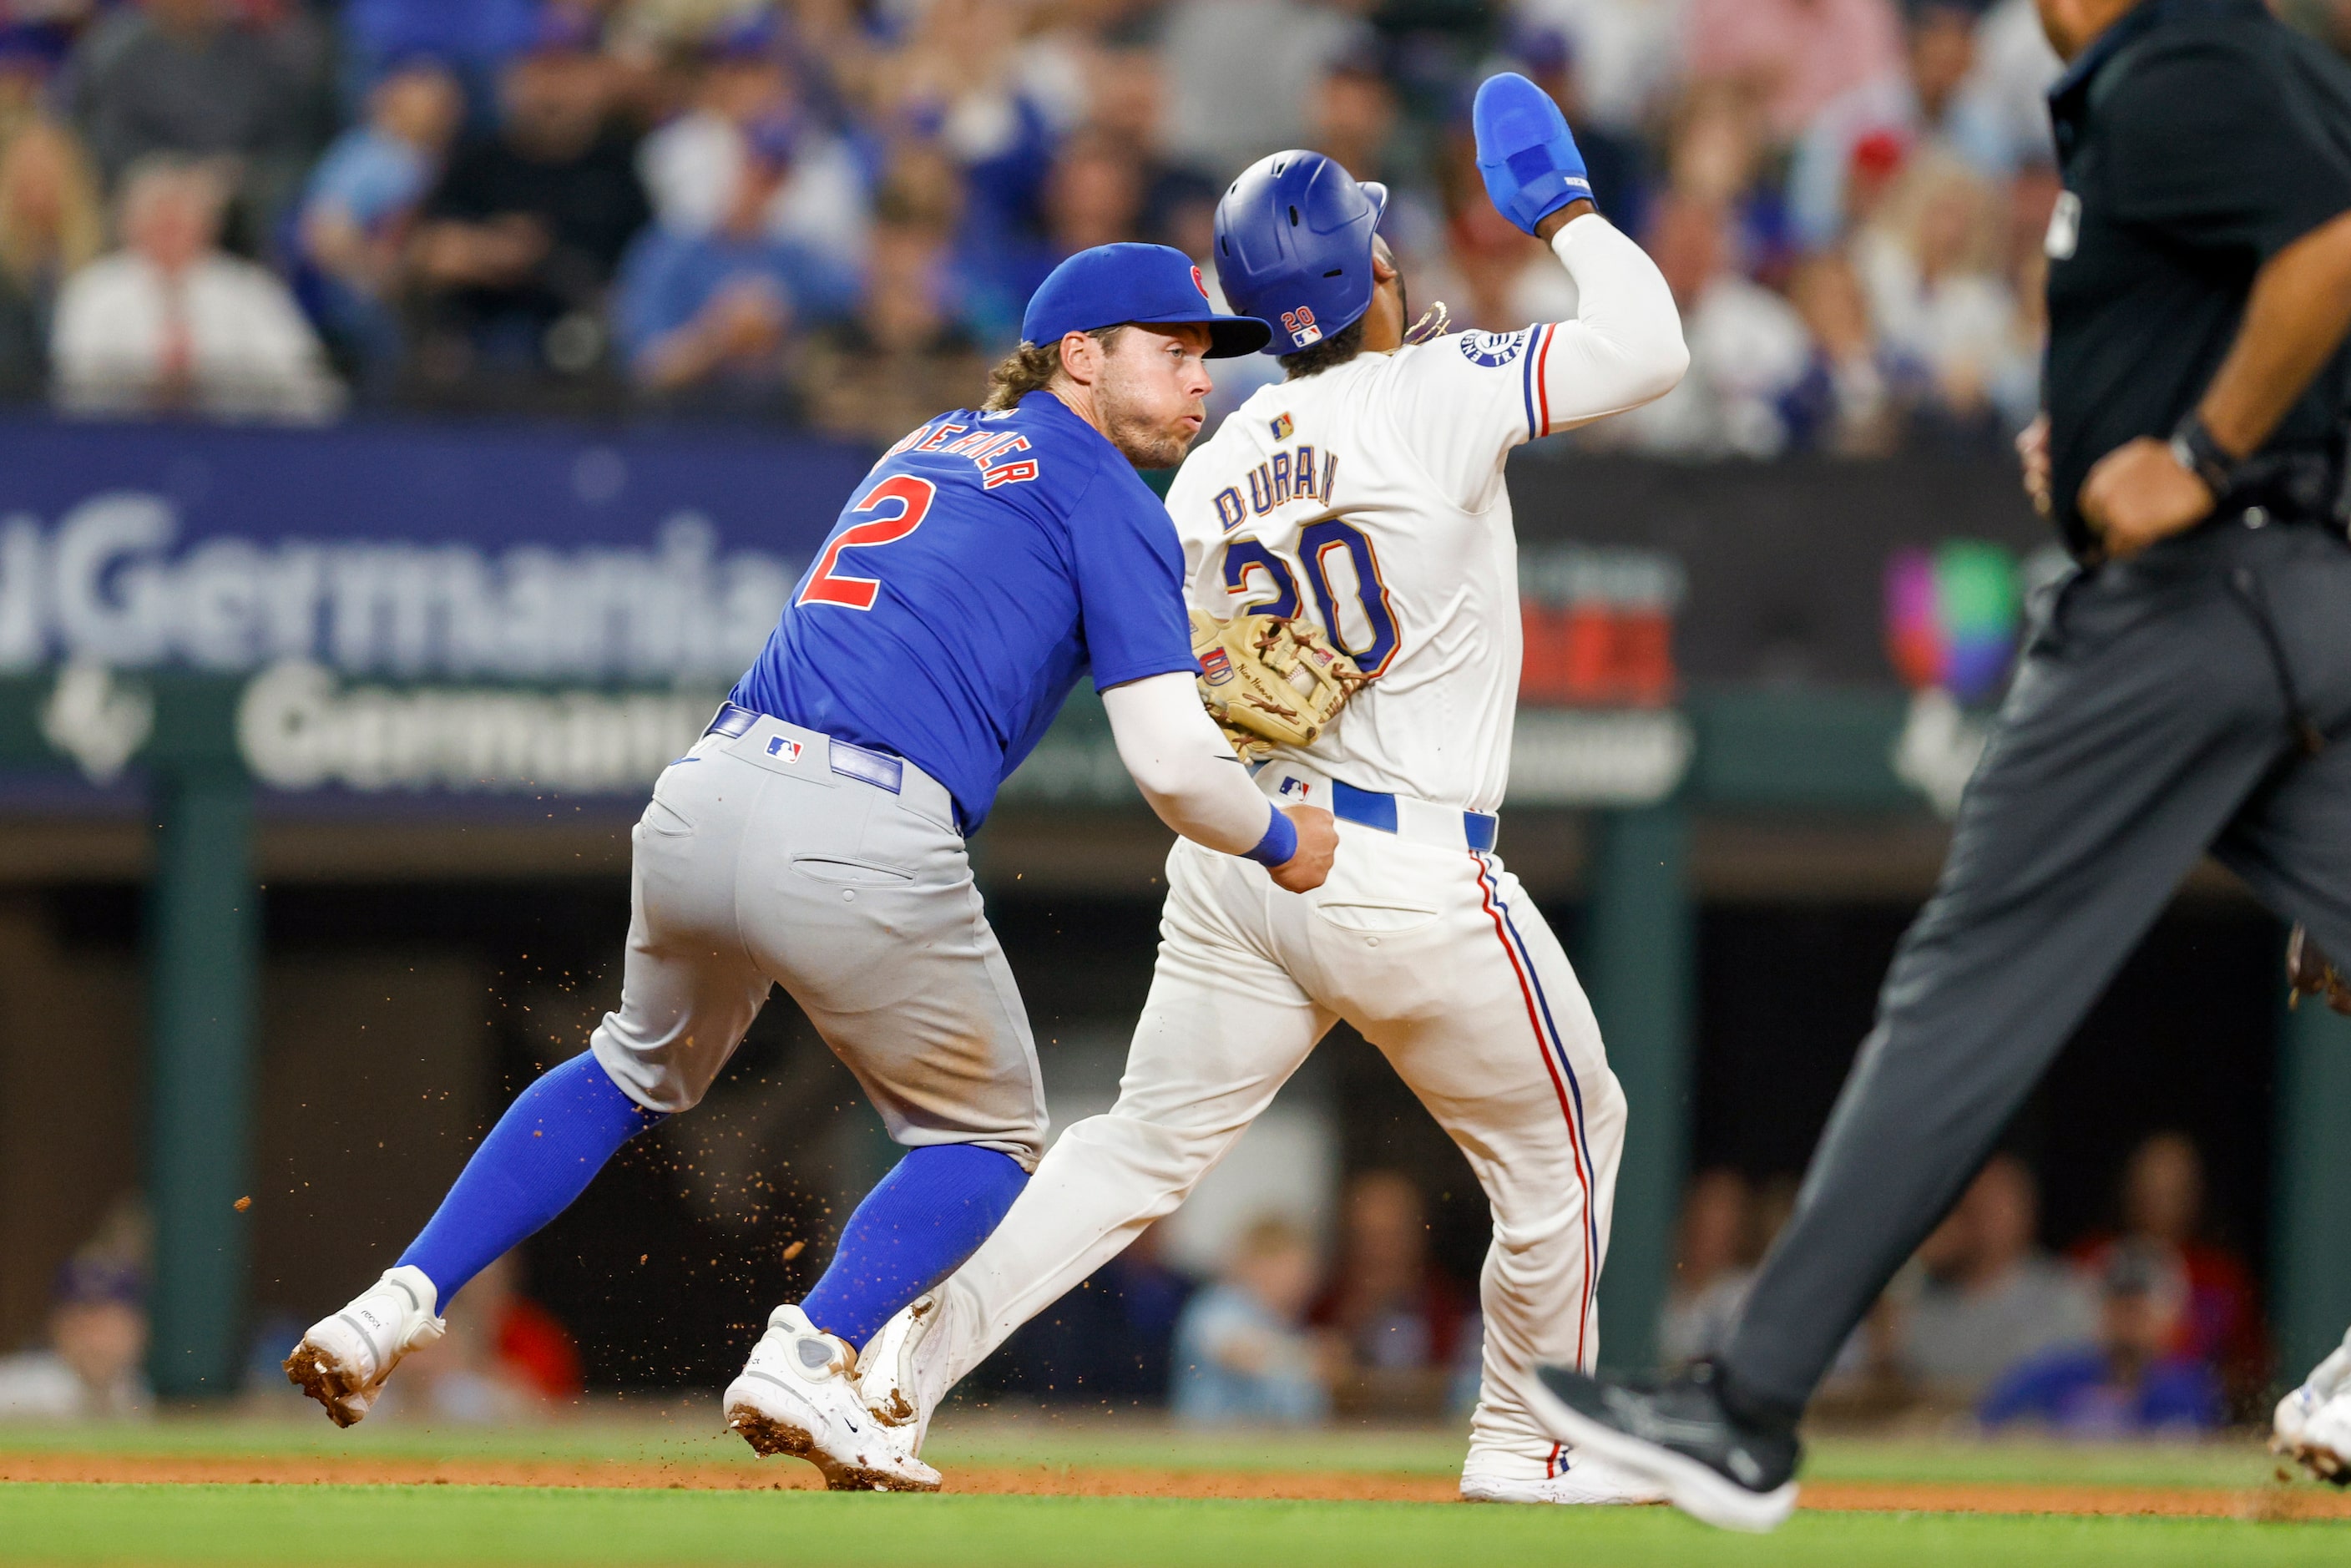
{"x":2312,"y":1423}
{"x":1366,"y":492}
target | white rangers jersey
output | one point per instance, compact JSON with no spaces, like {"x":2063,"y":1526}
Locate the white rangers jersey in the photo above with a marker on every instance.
{"x":1371,"y":497}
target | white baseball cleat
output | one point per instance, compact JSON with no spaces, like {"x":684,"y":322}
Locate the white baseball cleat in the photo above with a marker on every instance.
{"x":2325,"y":1446}
{"x":2329,"y":1378}
{"x":2321,"y":1439}
{"x":892,"y":1380}
{"x":798,"y":1395}
{"x":1588,"y":1483}
{"x":343,"y":1361}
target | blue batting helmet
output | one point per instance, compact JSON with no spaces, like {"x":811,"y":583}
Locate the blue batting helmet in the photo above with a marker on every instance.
{"x":1294,"y":246}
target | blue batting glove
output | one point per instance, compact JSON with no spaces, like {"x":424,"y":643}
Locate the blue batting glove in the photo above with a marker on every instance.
{"x":1526,"y":153}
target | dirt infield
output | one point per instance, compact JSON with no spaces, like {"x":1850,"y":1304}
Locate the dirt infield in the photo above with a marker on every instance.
{"x":2300,"y":1502}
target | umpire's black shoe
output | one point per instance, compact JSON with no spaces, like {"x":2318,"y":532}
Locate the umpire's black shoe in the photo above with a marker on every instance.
{"x":1712,"y":1465}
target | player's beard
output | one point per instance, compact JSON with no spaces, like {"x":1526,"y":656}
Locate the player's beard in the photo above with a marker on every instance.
{"x":1146,"y":442}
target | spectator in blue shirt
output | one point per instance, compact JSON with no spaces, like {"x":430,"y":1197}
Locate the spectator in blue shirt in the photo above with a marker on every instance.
{"x":705,"y":316}
{"x":1243,"y":1353}
{"x":355,"y":214}
{"x":2129,"y":1384}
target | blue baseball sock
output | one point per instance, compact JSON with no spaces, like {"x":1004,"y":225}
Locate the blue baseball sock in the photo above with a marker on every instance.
{"x":543,"y":1153}
{"x":914,"y":1229}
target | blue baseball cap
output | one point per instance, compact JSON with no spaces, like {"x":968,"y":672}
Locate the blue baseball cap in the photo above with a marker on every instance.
{"x":1147,"y":285}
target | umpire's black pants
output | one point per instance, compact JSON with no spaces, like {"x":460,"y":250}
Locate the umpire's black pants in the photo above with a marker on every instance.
{"x":2149,"y":721}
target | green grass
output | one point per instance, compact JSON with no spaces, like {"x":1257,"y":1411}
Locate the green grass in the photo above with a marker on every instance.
{"x":481,"y":1527}
{"x":2231,"y":1462}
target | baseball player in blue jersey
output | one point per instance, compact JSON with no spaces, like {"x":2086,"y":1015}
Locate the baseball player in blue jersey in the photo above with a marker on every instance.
{"x":814,"y":839}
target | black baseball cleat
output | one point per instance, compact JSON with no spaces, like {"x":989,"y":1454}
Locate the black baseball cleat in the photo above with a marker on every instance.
{"x":1712,"y":1466}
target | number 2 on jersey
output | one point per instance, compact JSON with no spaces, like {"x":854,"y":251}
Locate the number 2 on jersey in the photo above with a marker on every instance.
{"x":826,"y":584}
{"x":1316,"y":543}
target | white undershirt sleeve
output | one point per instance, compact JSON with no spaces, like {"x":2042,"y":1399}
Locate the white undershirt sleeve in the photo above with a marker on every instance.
{"x":1624,"y":347}
{"x":1180,"y":761}
{"x":1462,"y":403}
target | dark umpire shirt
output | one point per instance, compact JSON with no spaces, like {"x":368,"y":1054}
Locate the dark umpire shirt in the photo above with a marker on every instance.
{"x":2197,"y":139}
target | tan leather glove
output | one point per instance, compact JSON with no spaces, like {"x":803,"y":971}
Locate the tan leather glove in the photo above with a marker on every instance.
{"x":1270,"y":682}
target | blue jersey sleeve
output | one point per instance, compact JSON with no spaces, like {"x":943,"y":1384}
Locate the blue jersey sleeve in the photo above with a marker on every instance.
{"x":1130,"y":574}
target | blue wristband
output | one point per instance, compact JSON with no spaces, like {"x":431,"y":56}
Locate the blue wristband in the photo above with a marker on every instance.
{"x":1279,"y":843}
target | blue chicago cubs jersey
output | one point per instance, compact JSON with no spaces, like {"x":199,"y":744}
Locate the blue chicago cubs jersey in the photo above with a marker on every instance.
{"x":987,"y":562}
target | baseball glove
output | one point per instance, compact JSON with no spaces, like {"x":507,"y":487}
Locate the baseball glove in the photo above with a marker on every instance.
{"x":1268,"y":680}
{"x":2309,"y":972}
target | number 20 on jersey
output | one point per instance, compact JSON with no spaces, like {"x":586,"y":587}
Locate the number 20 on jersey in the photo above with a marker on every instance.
{"x":1363,"y":625}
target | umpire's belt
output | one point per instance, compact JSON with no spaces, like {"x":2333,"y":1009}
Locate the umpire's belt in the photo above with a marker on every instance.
{"x":787,"y":747}
{"x":2297,"y":485}
{"x":1422,"y":822}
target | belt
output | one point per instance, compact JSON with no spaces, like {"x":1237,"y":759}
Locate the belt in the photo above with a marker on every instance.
{"x":2298,"y":484}
{"x":2256,"y":515}
{"x":878,"y":768}
{"x":1422,"y":822}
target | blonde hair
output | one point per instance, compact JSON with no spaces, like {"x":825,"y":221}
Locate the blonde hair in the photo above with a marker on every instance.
{"x":80,"y":232}
{"x":1936,"y":183}
{"x":1031,"y":366}
{"x":1271,"y":1236}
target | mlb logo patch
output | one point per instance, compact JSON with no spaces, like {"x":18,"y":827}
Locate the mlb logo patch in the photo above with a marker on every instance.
{"x":784,"y":746}
{"x":1300,"y":325}
{"x":1217,"y":667}
{"x":1282,"y":428}
{"x":1295,"y":786}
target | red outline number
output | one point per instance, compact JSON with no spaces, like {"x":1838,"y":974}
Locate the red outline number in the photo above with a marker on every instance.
{"x":914,"y":497}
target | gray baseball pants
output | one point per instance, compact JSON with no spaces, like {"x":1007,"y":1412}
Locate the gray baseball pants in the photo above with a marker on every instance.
{"x":2153,"y":718}
{"x":770,"y":858}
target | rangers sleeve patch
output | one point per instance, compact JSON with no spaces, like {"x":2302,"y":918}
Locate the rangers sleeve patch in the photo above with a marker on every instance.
{"x":1491,"y":350}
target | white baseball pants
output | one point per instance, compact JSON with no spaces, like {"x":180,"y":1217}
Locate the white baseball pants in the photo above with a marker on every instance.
{"x":1437,"y":958}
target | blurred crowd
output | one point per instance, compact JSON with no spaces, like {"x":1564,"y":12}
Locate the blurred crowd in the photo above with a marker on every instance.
{"x":832,"y":211}
{"x":505,"y":1358}
{"x":1287,"y":1331}
{"x":2150,"y":1328}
